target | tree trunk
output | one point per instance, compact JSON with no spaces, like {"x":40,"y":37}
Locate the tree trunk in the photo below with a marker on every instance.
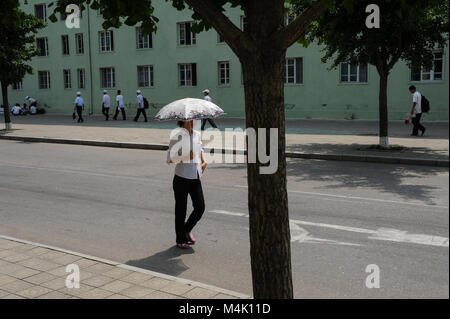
{"x":270,"y":246}
{"x":383,"y":109}
{"x":6,"y":107}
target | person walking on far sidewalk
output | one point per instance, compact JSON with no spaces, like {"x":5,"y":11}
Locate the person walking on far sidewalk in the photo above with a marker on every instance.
{"x":416,"y":111}
{"x":188,"y":171}
{"x":79,"y":107}
{"x":141,"y":106}
{"x":211,"y":121}
{"x":106,"y":104}
{"x":120,"y":107}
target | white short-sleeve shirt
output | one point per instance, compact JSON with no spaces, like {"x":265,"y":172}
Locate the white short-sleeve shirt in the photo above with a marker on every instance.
{"x":417,"y":98}
{"x":186,"y":168}
{"x":106,"y":101}
{"x":207,"y":98}
{"x":79,"y":101}
{"x":119,"y":98}
{"x":140,"y":100}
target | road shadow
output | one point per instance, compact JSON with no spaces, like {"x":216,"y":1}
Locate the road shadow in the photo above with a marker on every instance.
{"x":166,"y":261}
{"x":386,"y":178}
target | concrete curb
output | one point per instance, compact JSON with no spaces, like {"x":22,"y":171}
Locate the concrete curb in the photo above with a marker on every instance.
{"x":132,"y":268}
{"x":318,"y":156}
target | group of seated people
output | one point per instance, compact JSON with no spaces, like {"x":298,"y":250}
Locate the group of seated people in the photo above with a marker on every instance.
{"x":20,"y":110}
{"x":24,"y":109}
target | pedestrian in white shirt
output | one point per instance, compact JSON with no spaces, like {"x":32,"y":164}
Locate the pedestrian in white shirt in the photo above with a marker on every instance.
{"x":79,"y":107}
{"x":31,"y":101}
{"x":141,"y":106}
{"x":106,"y":104}
{"x":15,"y":110}
{"x":120,"y":106}
{"x":416,"y":111}
{"x":211,"y":121}
{"x":188,"y":171}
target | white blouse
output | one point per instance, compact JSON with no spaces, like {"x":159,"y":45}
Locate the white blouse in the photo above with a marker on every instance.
{"x":179,"y":153}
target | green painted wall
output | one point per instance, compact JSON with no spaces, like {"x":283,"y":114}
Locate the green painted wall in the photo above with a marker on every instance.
{"x":322,"y":96}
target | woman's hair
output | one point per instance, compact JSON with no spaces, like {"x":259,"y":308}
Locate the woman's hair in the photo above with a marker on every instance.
{"x":180,"y":123}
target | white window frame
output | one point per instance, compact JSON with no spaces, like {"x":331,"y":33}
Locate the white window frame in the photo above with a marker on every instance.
{"x":79,"y":43}
{"x":17,"y":86}
{"x":431,"y":73}
{"x":187,"y":70}
{"x":243,"y":23}
{"x":65,"y":44}
{"x":224,"y":78}
{"x":350,"y":74}
{"x":45,"y":46}
{"x":147,"y":72}
{"x":81,"y":78}
{"x":67,"y":79}
{"x":182,"y":38}
{"x":42,"y":5}
{"x":143,"y":41}
{"x":291,"y":63}
{"x":110,"y":78}
{"x":106,"y":41}
{"x":46,"y":79}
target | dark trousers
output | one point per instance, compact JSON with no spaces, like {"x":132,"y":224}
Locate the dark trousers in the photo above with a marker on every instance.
{"x":417,"y":126}
{"x":211,"y":121}
{"x":80,"y":114}
{"x":183,"y":187}
{"x":139,"y":111}
{"x":124,"y":117}
{"x":105,"y":111}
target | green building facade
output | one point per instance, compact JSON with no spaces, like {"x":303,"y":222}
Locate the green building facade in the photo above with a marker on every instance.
{"x":173,"y":64}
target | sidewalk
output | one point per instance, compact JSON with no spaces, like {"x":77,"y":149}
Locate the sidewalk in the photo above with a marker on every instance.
{"x":30,"y":270}
{"x":315,"y":139}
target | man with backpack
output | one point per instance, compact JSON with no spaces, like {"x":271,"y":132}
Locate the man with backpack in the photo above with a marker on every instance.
{"x":420,"y":104}
{"x":142,"y":105}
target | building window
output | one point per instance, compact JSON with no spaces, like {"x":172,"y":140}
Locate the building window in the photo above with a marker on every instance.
{"x":433,"y":74}
{"x":352,"y":73}
{"x":224,"y":73}
{"x":17,"y":86}
{"x":143,"y":41}
{"x":81,"y":77}
{"x":108,"y":77}
{"x":79,"y":43}
{"x":220,"y":39}
{"x":40,"y":11}
{"x":293,"y":71}
{"x":290,"y":17}
{"x":106,"y":41}
{"x":187,"y":74}
{"x":67,"y":79}
{"x":65,"y":44}
{"x":243,"y":23}
{"x":44,"y":79}
{"x":42,"y":46}
{"x":145,"y":76}
{"x":185,"y":36}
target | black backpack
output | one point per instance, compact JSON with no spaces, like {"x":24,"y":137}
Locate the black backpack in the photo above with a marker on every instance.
{"x":146,"y":104}
{"x":425,"y":104}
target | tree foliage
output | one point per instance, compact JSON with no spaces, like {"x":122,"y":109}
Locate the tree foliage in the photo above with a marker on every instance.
{"x":17,"y":45}
{"x":410,"y":30}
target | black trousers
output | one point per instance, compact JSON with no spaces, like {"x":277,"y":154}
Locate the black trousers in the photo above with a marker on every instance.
{"x":183,"y":187}
{"x":139,"y":111}
{"x":211,"y":121}
{"x":124,"y":117}
{"x":105,"y":111}
{"x":417,"y":126}
{"x":80,"y":114}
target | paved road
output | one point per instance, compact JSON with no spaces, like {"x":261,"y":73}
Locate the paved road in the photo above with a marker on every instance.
{"x":397,"y":129}
{"x":118,"y":204}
